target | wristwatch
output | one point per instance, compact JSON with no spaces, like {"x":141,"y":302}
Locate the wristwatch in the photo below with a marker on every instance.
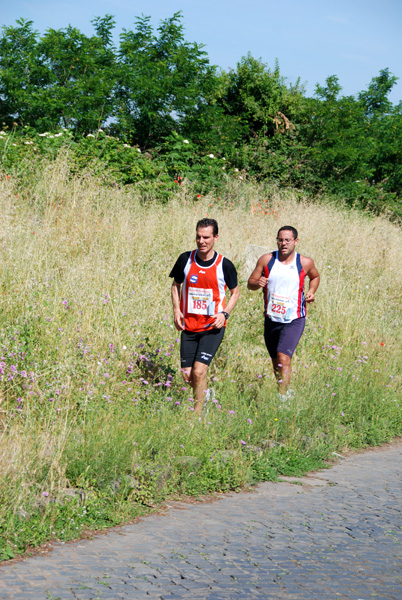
{"x":226,"y":315}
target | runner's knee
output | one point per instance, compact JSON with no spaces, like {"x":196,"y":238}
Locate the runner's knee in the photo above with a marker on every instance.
{"x":187,"y":375}
{"x":284,"y":360}
{"x":199,"y":370}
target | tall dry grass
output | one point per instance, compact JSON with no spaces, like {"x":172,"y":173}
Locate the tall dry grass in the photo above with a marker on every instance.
{"x":84,"y":266}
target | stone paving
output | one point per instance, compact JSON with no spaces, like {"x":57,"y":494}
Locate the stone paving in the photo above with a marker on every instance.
{"x":336,"y":534}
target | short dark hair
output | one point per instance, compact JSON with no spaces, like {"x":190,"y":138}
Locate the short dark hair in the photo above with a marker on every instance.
{"x":288,"y":228}
{"x":208,"y":223}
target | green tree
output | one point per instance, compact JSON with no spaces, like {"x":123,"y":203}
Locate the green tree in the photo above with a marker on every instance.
{"x":336,"y":135}
{"x":62,"y":79}
{"x":259,"y":97}
{"x":387,"y":133}
{"x":353,"y":144}
{"x":251,"y":117}
{"x":162,"y":78}
{"x":21,"y":73}
{"x":385,"y":121}
{"x":375,"y":99}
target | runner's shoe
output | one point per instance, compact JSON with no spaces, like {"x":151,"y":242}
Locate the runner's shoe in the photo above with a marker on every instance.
{"x":209,"y":394}
{"x":285,"y":400}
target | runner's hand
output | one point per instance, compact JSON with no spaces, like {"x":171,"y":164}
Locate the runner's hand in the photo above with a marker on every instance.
{"x":219,"y":321}
{"x":178,"y":321}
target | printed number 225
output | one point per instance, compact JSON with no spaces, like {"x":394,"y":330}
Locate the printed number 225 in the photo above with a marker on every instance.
{"x":278,"y":308}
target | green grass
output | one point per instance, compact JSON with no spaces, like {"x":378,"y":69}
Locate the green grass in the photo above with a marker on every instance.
{"x":96,"y":425}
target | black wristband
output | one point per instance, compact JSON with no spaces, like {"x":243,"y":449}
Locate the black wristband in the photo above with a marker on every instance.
{"x":226,"y":315}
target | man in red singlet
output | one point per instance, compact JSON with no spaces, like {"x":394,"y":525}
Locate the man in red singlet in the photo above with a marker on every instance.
{"x":200,"y":280}
{"x":281,"y":275}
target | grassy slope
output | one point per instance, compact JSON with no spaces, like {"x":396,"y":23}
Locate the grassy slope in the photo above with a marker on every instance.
{"x":93,"y":409}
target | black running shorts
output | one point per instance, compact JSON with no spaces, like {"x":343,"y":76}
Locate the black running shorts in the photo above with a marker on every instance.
{"x":199,"y":346}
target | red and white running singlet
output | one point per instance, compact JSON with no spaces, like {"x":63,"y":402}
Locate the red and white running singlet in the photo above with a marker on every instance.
{"x":284,"y":293}
{"x":202,"y":294}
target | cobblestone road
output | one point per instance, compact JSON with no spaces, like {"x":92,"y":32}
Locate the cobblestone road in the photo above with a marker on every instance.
{"x":336,"y":534}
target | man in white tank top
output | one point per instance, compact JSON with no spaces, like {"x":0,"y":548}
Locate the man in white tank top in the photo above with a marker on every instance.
{"x":281,"y":275}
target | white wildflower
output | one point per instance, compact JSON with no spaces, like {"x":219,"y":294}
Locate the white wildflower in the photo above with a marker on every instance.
{"x":236,"y":170}
{"x":241,"y":177}
{"x":211,"y":156}
{"x":90,"y":135}
{"x":126,"y":146}
{"x":43,"y":134}
{"x":58,"y":134}
{"x":138,"y":150}
{"x":186,"y":142}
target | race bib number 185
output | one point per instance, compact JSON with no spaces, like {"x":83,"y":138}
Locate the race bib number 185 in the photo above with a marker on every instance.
{"x":199,"y":301}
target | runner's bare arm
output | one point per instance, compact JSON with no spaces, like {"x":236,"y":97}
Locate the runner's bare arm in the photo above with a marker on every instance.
{"x":220,"y":317}
{"x":314,"y":277}
{"x":257,"y":280}
{"x":177,"y":314}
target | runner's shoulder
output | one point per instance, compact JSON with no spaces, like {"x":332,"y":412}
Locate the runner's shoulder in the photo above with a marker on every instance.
{"x":230,"y":273}
{"x":177,"y":273}
{"x":265,"y":258}
{"x":227,"y":263}
{"x":307,"y":263}
{"x":183,"y":258}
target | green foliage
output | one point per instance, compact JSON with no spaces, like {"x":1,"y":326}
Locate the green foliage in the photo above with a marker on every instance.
{"x":156,"y":90}
{"x":259,"y":97}
{"x":375,"y":99}
{"x":162,"y":78}
{"x":336,"y":134}
{"x":350,"y":147}
{"x":62,"y":79}
{"x":21,"y":75}
{"x":106,"y":157}
{"x":64,"y":520}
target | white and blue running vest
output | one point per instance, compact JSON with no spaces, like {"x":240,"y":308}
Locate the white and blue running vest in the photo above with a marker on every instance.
{"x":284,"y":293}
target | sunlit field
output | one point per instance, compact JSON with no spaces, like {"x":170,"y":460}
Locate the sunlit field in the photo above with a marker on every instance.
{"x":96,"y":425}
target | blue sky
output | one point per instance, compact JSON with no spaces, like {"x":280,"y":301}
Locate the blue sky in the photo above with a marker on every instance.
{"x":311,"y":39}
